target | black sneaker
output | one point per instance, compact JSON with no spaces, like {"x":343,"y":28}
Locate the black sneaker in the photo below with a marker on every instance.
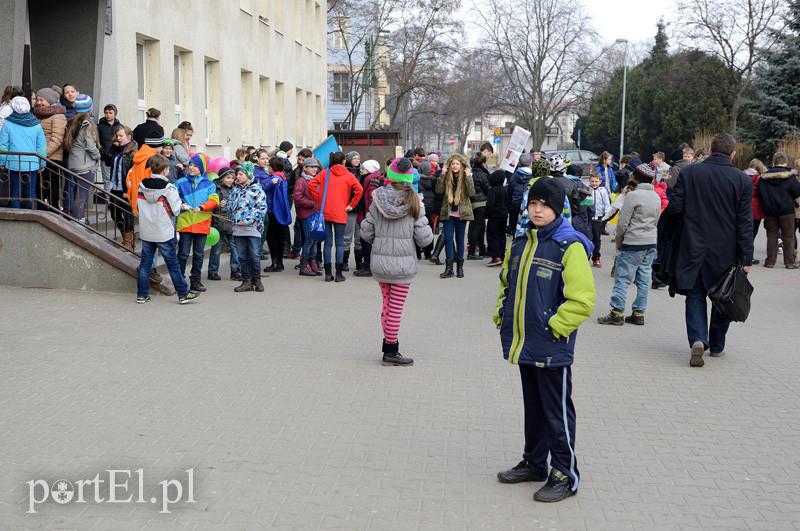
{"x":142,"y":300}
{"x":214,"y":276}
{"x":188,"y":298}
{"x":236,"y":276}
{"x":636,"y":318}
{"x":521,"y":472}
{"x":557,"y":488}
{"x":195,"y":285}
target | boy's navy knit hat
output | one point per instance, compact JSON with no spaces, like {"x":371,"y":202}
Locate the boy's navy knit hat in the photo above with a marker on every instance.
{"x":548,"y":191}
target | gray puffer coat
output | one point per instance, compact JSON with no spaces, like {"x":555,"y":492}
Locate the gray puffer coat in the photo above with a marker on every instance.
{"x":393,"y":233}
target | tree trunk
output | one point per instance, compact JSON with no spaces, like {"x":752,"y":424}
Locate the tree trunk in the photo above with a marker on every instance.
{"x":734,"y":114}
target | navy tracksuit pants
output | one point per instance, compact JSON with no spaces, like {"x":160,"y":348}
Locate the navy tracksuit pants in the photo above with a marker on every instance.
{"x":549,"y":420}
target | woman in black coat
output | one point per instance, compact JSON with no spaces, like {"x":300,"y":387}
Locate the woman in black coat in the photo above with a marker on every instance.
{"x":477,"y":227}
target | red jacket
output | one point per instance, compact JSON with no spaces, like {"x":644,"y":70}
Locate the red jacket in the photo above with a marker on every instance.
{"x":661,"y":190}
{"x":370,"y":183}
{"x":756,"y":204}
{"x":344,"y":190}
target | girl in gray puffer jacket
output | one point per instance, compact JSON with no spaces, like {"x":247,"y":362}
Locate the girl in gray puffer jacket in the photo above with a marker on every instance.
{"x":394,"y":224}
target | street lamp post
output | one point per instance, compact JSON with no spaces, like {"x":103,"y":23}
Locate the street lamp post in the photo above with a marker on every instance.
{"x":624,"y":93}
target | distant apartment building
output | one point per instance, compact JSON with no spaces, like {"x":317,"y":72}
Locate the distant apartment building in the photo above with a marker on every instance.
{"x":357,"y":84}
{"x":243,"y":72}
{"x":559,"y":136}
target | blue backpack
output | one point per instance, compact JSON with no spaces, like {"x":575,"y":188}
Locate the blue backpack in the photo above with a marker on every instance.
{"x":317,"y":219}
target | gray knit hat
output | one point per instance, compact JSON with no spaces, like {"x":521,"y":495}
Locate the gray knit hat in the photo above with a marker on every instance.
{"x":349,"y":157}
{"x":311,"y":161}
{"x":50,"y":94}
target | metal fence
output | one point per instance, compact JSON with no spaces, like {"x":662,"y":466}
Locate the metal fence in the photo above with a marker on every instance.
{"x":28,"y":180}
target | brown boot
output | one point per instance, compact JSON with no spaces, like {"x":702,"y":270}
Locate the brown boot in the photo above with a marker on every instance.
{"x":246,"y":285}
{"x":129,"y":240}
{"x":257,"y":285}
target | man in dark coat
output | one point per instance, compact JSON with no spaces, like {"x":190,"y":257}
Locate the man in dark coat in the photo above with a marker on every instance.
{"x":713,"y":201}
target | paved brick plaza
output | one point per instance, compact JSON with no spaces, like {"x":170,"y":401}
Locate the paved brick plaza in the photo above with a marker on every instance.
{"x":279,"y":403}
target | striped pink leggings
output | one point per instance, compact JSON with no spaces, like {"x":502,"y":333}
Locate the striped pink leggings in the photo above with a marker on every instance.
{"x":394,"y":298}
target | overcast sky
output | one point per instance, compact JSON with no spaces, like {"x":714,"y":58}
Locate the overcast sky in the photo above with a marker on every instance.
{"x":634,"y":20}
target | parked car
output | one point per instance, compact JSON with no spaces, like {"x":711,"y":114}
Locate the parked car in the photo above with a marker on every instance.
{"x":578,"y":157}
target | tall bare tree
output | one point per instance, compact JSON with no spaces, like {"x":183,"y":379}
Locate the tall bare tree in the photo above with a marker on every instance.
{"x":358,"y":29}
{"x":735,"y":31}
{"x":545,"y":49}
{"x":423,"y":37}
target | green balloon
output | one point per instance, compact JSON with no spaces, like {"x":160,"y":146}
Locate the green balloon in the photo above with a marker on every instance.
{"x":212,"y":176}
{"x":213,"y":237}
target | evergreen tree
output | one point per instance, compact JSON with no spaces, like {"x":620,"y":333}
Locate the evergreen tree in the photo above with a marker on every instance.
{"x":777,"y":111}
{"x":660,"y":50}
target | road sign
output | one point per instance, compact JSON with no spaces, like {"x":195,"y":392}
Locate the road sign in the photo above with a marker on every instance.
{"x":452,"y":140}
{"x":497,"y":132}
{"x":498,"y":140}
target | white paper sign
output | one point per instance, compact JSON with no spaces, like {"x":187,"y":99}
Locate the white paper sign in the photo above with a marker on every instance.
{"x":519,"y":138}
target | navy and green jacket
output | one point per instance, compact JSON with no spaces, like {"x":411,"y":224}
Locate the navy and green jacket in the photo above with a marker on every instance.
{"x":546,"y":292}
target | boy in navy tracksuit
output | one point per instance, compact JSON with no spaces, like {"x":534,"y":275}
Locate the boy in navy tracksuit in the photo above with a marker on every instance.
{"x":546,"y":292}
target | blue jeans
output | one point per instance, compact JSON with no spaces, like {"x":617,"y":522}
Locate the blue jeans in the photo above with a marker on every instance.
{"x":78,"y":194}
{"x":697,"y":327}
{"x":216,"y":252}
{"x":309,"y":245}
{"x":248,"y":250}
{"x":23,"y":189}
{"x":168,"y":252}
{"x":334,"y":231}
{"x":187,"y":241}
{"x":633,"y":265}
{"x":454,"y":228}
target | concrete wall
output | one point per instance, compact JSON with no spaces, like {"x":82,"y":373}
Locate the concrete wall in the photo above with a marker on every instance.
{"x":12,"y":41}
{"x":263,"y":53}
{"x":34,"y":256}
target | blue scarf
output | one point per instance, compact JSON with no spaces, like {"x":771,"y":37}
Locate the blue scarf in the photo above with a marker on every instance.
{"x":25,"y":120}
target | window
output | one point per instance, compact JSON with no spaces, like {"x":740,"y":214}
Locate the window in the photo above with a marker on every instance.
{"x":277,"y":16}
{"x":141,"y":79}
{"x":299,"y":110}
{"x":263,"y":110}
{"x":341,"y":87}
{"x":318,"y":120}
{"x":247,"y":107}
{"x":212,"y":109}
{"x":182,"y":60}
{"x":177,"y":82}
{"x":341,"y":126}
{"x":573,"y":156}
{"x":147,"y":78}
{"x":278,"y":106}
{"x":317,"y":24}
{"x":340,"y":29}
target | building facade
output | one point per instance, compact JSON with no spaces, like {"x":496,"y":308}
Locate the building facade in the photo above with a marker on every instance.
{"x":357,"y":84}
{"x":243,"y":72}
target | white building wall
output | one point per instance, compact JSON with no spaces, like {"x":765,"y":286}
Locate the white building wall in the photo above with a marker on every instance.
{"x":276,"y":47}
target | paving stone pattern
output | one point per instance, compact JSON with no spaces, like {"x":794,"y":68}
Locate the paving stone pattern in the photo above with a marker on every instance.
{"x":279,"y":403}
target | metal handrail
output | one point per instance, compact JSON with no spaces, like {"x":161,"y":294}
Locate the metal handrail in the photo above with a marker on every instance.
{"x":66,"y":193}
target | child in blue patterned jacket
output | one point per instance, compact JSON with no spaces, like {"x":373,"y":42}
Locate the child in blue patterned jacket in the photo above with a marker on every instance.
{"x":247,"y":206}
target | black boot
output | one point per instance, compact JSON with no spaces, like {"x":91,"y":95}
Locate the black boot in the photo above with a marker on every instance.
{"x":346,"y":261}
{"x":359,"y":260}
{"x":196,"y":285}
{"x":460,"y":269}
{"x":328,"y":274}
{"x":363,"y":272}
{"x":339,"y":275}
{"x":437,"y":250}
{"x":392,"y":356}
{"x":448,"y":270}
